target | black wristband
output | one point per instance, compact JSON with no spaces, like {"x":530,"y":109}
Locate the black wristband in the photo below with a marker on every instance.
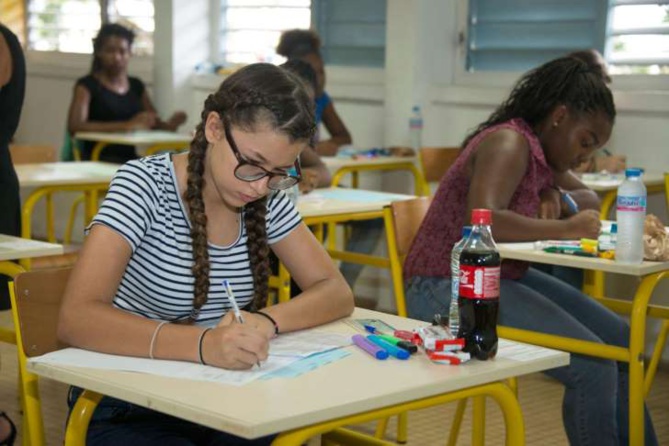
{"x":271,"y":319}
{"x":204,"y":332}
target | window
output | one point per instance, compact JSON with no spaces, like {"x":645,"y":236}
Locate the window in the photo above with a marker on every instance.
{"x":70,"y":25}
{"x":352,"y":32}
{"x":638,"y":37}
{"x":516,"y":35}
{"x":251,"y":28}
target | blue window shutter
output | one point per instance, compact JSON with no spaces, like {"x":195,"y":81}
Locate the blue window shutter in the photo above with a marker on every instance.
{"x":517,"y":35}
{"x":353,"y":32}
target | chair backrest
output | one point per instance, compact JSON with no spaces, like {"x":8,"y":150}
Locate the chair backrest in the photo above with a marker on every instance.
{"x":407,"y":218}
{"x":403,"y":218}
{"x":31,"y":154}
{"x":435,"y":161}
{"x":37,"y":299}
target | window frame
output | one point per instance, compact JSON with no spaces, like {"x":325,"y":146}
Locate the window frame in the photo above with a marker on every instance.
{"x":504,"y":79}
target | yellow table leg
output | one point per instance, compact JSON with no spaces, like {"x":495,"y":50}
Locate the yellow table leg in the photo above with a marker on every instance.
{"x":478,"y":421}
{"x":457,"y":422}
{"x":97,"y":150}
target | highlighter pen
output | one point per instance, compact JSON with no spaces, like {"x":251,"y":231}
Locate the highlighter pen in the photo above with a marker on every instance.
{"x":397,"y":352}
{"x":571,"y":204}
{"x":569,"y":250}
{"x":369,"y":347}
{"x":235,"y":307}
{"x":406,"y":345}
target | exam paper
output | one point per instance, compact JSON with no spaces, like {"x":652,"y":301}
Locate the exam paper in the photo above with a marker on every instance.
{"x":521,"y":352}
{"x":306,"y":343}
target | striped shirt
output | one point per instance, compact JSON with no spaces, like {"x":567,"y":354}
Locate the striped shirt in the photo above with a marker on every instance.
{"x":143,"y":206}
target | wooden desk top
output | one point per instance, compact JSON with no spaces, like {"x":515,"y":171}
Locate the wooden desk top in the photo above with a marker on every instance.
{"x":65,"y":173}
{"x":608,"y":183}
{"x":333,"y":201}
{"x":334,"y":163}
{"x":14,"y":248}
{"x":526,"y":251}
{"x":354,"y":384}
{"x":135,"y":138}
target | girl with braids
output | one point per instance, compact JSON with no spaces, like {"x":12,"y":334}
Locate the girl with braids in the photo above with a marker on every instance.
{"x":149,"y":278}
{"x":305,"y":45}
{"x":515,"y":164}
{"x":108,"y":100}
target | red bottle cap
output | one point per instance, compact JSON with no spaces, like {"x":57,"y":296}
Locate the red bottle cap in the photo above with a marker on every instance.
{"x":481,"y":217}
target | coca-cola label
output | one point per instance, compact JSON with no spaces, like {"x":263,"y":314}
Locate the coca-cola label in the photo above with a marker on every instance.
{"x":634,"y":204}
{"x":479,"y":282}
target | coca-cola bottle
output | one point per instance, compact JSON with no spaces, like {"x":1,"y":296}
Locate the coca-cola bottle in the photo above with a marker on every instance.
{"x":478,"y":295}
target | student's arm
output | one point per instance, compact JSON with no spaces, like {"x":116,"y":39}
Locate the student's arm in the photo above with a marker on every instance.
{"x":88,"y":320}
{"x":585,"y":197}
{"x":498,"y":166}
{"x":314,"y":172}
{"x":339,"y":134}
{"x":326,"y":296}
{"x":77,"y":120}
{"x":171,"y":124}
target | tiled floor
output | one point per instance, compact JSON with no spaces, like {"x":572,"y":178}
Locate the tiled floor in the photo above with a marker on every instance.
{"x":540,"y":400}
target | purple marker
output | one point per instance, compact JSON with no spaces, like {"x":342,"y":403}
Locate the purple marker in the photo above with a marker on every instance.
{"x":370,"y":347}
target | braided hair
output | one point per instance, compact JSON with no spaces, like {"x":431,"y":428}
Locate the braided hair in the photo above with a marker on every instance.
{"x":106,"y":31}
{"x":257,"y":93}
{"x":565,"y":81}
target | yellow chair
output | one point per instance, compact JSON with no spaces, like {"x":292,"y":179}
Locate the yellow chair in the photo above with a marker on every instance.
{"x":435,"y":161}
{"x":36,"y":298}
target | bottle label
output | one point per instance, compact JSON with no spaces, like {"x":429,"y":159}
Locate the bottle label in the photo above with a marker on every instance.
{"x":479,"y":282}
{"x":633,"y":204}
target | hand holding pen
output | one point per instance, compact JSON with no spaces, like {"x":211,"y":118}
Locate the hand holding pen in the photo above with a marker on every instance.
{"x":235,"y":307}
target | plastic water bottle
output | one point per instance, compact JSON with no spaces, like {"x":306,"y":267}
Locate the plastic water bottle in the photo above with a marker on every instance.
{"x":630,"y":216}
{"x":416,"y":128}
{"x":454,"y":308}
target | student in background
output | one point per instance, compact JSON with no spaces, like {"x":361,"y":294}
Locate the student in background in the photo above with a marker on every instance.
{"x":606,"y":161}
{"x":108,"y":100}
{"x":12,"y":90}
{"x":365,"y":234}
{"x":148,"y":281}
{"x":305,"y":45}
{"x":556,"y":116}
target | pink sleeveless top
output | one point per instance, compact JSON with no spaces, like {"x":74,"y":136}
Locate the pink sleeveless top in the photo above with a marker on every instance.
{"x":430,"y":253}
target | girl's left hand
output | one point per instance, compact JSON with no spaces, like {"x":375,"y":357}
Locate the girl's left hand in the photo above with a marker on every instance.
{"x":260,"y":323}
{"x":550,"y":207}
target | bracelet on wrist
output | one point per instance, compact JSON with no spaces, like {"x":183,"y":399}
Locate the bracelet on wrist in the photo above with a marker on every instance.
{"x":199,"y":345}
{"x":271,"y":319}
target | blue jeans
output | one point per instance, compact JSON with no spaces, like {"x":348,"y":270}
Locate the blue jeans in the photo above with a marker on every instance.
{"x":596,"y":400}
{"x":117,"y":422}
{"x":365,"y":235}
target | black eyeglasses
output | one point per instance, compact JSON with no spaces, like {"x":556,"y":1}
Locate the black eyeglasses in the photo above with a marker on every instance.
{"x":248,"y":171}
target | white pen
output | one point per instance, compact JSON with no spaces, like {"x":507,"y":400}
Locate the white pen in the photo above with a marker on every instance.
{"x":235,"y":307}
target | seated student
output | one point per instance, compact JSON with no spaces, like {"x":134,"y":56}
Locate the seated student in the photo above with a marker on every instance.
{"x":513,"y":164}
{"x":365,"y":234}
{"x":607,"y":162}
{"x":304,"y":44}
{"x":108,"y":100}
{"x":148,"y":281}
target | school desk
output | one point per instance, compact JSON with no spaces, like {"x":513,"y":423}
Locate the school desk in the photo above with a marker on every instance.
{"x":342,"y":166}
{"x":329,"y":206}
{"x":607,"y":187}
{"x":89,"y":177}
{"x":355,"y":389}
{"x":649,"y":274}
{"x":17,"y":248}
{"x":153,"y":140}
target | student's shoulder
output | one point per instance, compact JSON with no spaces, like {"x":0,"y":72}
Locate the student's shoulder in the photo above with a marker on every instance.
{"x":136,"y":84}
{"x":88,"y":82}
{"x":504,"y":141}
{"x":152,"y":172}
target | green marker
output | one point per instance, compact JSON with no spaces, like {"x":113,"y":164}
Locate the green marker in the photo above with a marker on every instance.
{"x":401,"y":343}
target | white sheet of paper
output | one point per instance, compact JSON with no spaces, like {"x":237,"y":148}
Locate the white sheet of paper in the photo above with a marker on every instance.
{"x":520,"y":352}
{"x":306,"y":343}
{"x":176,"y":369}
{"x":22,"y":244}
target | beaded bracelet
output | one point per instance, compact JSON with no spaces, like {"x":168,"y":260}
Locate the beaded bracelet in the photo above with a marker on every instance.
{"x":154,"y":337}
{"x":199,"y":345}
{"x":271,"y":319}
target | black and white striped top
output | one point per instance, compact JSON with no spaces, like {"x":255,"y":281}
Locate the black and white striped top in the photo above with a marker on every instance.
{"x":144,"y":207}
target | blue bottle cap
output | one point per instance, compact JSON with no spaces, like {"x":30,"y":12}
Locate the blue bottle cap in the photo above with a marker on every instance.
{"x":632,"y":172}
{"x":614,"y":228}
